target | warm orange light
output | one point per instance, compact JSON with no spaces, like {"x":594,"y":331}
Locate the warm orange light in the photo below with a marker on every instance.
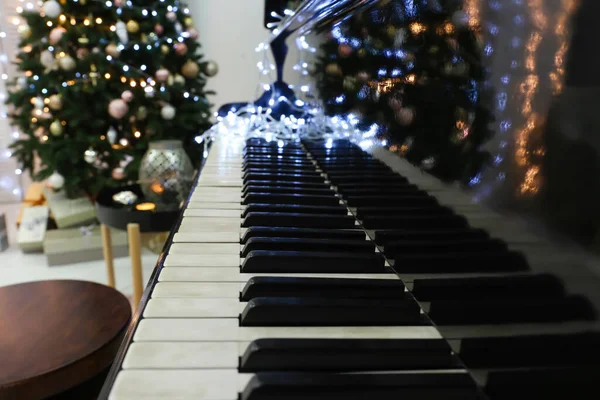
{"x":123,"y":79}
{"x":137,"y":134}
{"x":157,"y":188}
{"x":107,"y":75}
{"x":145,"y":206}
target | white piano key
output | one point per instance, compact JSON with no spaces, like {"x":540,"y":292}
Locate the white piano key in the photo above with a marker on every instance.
{"x":200,"y":190}
{"x":222,"y":290}
{"x":224,"y":384}
{"x":205,"y":224}
{"x":212,"y":206}
{"x":215,"y":196}
{"x":220,"y":182}
{"x":204,"y":248}
{"x":228,"y":330}
{"x":218,"y":236}
{"x":203,"y":260}
{"x":213,"y":213}
{"x":225,"y":274}
{"x":172,"y":355}
{"x":194,"y":308}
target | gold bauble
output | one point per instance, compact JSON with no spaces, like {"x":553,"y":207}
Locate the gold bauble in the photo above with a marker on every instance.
{"x":333,"y":69}
{"x":180,"y":80}
{"x":210,"y":68}
{"x":24,"y":31}
{"x":133,"y":26}
{"x":188,"y":21}
{"x":362,"y":53}
{"x":83,"y":40}
{"x":56,"y":128}
{"x":170,"y":80}
{"x":390,"y":30}
{"x":55,"y":102}
{"x":112,"y":50}
{"x":164,"y":49}
{"x":190,"y":69}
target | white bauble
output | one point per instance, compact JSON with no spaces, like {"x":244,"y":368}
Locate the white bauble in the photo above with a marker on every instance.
{"x":24,"y":31}
{"x":111,"y":135}
{"x":56,"y":181}
{"x":168,"y":112}
{"x":38,"y":103}
{"x":180,"y":80}
{"x":121,"y":29}
{"x":67,"y":63}
{"x":90,"y":156}
{"x":51,"y":9}
{"x":22,"y":81}
{"x":47,"y":59}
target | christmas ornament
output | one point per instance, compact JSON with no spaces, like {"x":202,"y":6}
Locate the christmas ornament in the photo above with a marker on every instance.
{"x":460,"y":18}
{"x":90,"y":156}
{"x":193,"y":33}
{"x":188,"y":21}
{"x":333,"y":69}
{"x":363,"y":76}
{"x":390,"y":31}
{"x":125,"y":197}
{"x":158,"y":29}
{"x":361,"y":53}
{"x":118,"y":173}
{"x":44,"y":116}
{"x":82,"y":53}
{"x":121,"y":29}
{"x":117,"y":108}
{"x":24,"y":31}
{"x":210,"y":68}
{"x":118,"y":3}
{"x":56,"y":181}
{"x":22,"y":81}
{"x":171,"y":16}
{"x":399,"y":38}
{"x":55,"y":102}
{"x":178,"y":28}
{"x":95,"y":50}
{"x":47,"y":59}
{"x":112,"y":50}
{"x":39,"y":132}
{"x":56,"y":34}
{"x":405,"y":116}
{"x":37,"y":102}
{"x":141,"y":113}
{"x":127,"y":96}
{"x":448,"y":69}
{"x":56,"y":128}
{"x":111,"y":134}
{"x":152,"y":36}
{"x":162,"y":75}
{"x":67,"y":63}
{"x":190,"y":69}
{"x":132,"y":26}
{"x":181,"y":49}
{"x":350,"y":83}
{"x":164,"y":49}
{"x":180,"y":80}
{"x":344,"y":50}
{"x":51,"y":9}
{"x":395,"y":104}
{"x":167,"y":112}
{"x":144,"y":38}
{"x":170,"y":80}
{"x":83,"y":40}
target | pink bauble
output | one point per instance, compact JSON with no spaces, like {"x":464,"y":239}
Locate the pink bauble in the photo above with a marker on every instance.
{"x":395,"y":104}
{"x":162,"y":75}
{"x":345,"y":50}
{"x":118,"y":3}
{"x":117,"y":108}
{"x":405,"y":116}
{"x":180,"y":49}
{"x":127,"y":96}
{"x":363,"y":76}
{"x":56,"y":34}
{"x":193,"y":33}
{"x":158,"y":29}
{"x":118,"y":173}
{"x":171,"y":16}
{"x":82,"y":53}
{"x":39,"y":132}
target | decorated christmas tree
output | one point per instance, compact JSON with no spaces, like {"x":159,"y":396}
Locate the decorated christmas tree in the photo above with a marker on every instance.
{"x":101,"y":80}
{"x":411,"y":74}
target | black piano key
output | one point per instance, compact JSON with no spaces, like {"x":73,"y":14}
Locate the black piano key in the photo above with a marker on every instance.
{"x":257,"y":150}
{"x":290,"y":184}
{"x":566,"y":382}
{"x":297,"y":311}
{"x":510,"y":310}
{"x":292,"y":208}
{"x":531,"y":350}
{"x":300,"y":169}
{"x":360,"y":179}
{"x":299,"y":199}
{"x":371,"y":168}
{"x":383,"y":200}
{"x":263,"y":261}
{"x":346,"y":355}
{"x":266,"y":286}
{"x":298,"y":244}
{"x":283,"y":177}
{"x":364,"y":386}
{"x":262,"y":231}
{"x":277,"y":163}
{"x":460,"y":263}
{"x":382,"y":237}
{"x":540,"y":286}
{"x":366,"y":191}
{"x":447,"y":247}
{"x":287,"y":190}
{"x":415,"y":222}
{"x":362,"y":212}
{"x":298,"y":220}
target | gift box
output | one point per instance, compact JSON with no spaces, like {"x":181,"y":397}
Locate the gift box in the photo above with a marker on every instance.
{"x":35,"y":194}
{"x":74,"y":245}
{"x":33,"y":228}
{"x":3,"y":233}
{"x":69,"y":212}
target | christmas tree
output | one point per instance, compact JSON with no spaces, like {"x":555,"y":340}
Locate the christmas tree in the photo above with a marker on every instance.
{"x":101,"y":80}
{"x":411,"y":74}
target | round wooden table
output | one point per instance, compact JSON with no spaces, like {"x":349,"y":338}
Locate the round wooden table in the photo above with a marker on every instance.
{"x":57,"y":335}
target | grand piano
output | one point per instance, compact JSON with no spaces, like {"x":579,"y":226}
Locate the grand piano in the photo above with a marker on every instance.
{"x":326,"y":269}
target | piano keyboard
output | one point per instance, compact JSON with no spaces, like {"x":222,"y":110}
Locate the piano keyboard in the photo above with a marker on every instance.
{"x":307,"y":272}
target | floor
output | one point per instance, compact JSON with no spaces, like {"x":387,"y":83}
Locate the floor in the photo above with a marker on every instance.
{"x":17,"y":267}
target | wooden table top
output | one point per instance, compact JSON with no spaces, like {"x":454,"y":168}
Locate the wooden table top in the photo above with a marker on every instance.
{"x":57,"y":334}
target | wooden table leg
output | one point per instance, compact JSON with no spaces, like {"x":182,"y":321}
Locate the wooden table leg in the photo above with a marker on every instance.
{"x":135,"y":253}
{"x":108,"y":254}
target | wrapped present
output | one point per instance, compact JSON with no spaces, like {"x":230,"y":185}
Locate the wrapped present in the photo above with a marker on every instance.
{"x":3,"y":233}
{"x":69,"y":212}
{"x":32,"y":230}
{"x":25,"y":205}
{"x":35,"y":194}
{"x":74,"y":245}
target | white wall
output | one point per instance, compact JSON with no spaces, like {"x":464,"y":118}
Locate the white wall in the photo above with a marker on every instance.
{"x":229,"y":31}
